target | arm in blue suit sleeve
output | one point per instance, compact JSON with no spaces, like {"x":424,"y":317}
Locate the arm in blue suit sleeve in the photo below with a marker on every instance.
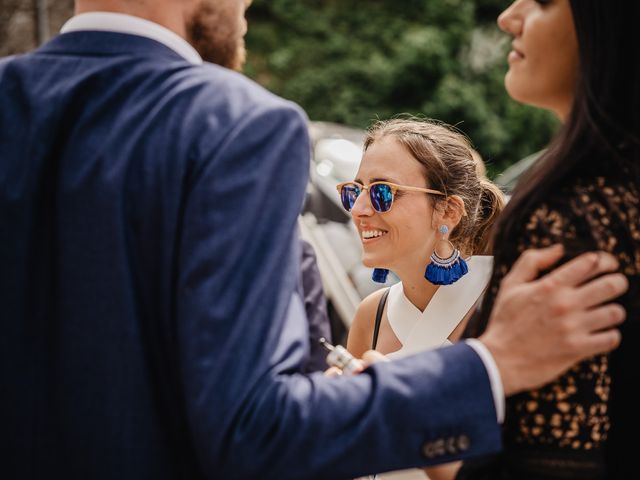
{"x":242,"y":336}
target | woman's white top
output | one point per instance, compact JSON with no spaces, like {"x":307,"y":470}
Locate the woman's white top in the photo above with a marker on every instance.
{"x":418,"y":331}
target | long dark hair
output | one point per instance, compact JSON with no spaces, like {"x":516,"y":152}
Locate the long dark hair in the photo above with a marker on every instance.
{"x":602,"y":132}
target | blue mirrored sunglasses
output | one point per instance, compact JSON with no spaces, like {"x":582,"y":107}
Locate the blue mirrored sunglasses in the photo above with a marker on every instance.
{"x":381,"y":194}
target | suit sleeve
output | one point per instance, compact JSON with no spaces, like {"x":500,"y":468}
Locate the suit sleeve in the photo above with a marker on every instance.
{"x":242,"y":336}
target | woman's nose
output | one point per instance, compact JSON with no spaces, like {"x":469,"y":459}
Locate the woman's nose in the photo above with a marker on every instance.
{"x":510,"y":21}
{"x":362,"y":206}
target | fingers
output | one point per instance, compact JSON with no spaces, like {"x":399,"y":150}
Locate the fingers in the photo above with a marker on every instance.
{"x":354,"y":367}
{"x":357,"y":365}
{"x":603,"y":318}
{"x":532,"y":262}
{"x":372,"y":356}
{"x":581,"y":269}
{"x":596,"y":343}
{"x":601,"y":290}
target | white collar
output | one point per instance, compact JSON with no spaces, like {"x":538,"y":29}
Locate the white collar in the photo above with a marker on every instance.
{"x":431,"y":328}
{"x":121,"y":23}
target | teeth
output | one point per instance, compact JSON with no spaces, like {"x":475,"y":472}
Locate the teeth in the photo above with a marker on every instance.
{"x":372,"y":233}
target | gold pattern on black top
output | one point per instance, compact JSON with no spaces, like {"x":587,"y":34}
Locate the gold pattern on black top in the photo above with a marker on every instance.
{"x":562,"y":428}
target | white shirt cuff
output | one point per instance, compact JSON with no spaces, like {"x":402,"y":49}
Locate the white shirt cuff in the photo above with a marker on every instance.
{"x":494,"y":375}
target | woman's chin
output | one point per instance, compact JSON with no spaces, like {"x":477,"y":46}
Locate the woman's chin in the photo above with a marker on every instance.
{"x":372,"y":262}
{"x":518,"y":90}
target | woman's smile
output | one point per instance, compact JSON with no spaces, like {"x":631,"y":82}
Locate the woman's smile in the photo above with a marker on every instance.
{"x":370,"y":235}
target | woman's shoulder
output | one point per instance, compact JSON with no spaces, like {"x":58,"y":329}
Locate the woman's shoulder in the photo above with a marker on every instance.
{"x":369,"y":306}
{"x":587,"y":210}
{"x":597,"y":213}
{"x":362,"y":326}
{"x":603,"y":190}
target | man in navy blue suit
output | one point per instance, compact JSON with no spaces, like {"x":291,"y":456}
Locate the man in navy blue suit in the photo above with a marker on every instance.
{"x":225,"y":47}
{"x":150,"y":320}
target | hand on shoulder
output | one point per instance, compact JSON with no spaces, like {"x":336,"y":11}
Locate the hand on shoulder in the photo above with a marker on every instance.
{"x":539,"y":328}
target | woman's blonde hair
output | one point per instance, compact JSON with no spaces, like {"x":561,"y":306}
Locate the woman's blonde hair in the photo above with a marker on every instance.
{"x":451,"y":166}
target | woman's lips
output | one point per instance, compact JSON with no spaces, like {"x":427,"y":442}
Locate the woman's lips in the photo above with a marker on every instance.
{"x":514,"y":56}
{"x":367,"y":241}
{"x":371,"y":235}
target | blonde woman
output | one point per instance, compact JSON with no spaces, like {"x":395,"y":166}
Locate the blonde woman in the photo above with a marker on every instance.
{"x":420,"y":207}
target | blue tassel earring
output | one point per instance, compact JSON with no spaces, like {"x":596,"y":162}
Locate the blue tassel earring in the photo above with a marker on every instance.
{"x":445,"y":271}
{"x":379,"y":275}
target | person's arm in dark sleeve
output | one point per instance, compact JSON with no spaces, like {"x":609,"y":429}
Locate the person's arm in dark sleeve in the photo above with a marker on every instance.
{"x":315,"y":306}
{"x":242,"y":337}
{"x":560,"y":430}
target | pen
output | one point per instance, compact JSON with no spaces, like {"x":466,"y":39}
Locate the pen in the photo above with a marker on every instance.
{"x":341,"y":358}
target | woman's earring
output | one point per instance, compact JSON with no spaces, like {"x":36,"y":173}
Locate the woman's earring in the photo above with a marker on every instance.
{"x":379,"y":275}
{"x":445,"y":270}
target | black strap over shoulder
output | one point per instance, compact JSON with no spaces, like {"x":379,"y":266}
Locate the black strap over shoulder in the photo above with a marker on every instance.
{"x":376,"y":327}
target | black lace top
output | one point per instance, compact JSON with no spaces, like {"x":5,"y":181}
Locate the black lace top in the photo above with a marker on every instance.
{"x":586,"y":424}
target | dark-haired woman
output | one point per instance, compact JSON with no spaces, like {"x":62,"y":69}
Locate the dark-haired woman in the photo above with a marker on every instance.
{"x":581,"y":60}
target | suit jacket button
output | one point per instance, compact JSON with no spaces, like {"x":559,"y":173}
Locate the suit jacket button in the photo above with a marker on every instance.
{"x":439,"y":447}
{"x":428,"y":450}
{"x":463,"y":443}
{"x":451,"y":446}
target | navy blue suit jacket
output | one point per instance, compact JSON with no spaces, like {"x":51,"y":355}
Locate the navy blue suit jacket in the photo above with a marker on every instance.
{"x":149,"y":326}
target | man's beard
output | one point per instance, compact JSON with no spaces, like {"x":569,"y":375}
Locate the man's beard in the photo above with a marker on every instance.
{"x":213,"y":32}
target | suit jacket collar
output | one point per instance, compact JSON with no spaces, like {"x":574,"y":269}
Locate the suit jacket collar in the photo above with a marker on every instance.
{"x":131,"y":25}
{"x":96,"y":43}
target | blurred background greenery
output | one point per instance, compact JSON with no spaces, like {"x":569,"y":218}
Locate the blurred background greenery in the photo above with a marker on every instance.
{"x":353,"y":61}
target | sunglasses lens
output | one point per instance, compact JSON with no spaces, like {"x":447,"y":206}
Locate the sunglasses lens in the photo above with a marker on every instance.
{"x":381,"y":197}
{"x":348,"y":196}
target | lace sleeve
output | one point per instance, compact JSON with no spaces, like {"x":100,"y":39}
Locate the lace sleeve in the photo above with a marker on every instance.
{"x":569,"y":419}
{"x":560,"y":430}
{"x":569,"y":414}
{"x":611,"y":215}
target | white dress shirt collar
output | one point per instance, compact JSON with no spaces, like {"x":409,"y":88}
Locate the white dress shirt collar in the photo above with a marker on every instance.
{"x":121,"y":23}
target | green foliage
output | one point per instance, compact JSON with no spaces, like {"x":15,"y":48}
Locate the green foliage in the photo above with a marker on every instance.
{"x":352,"y":61}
